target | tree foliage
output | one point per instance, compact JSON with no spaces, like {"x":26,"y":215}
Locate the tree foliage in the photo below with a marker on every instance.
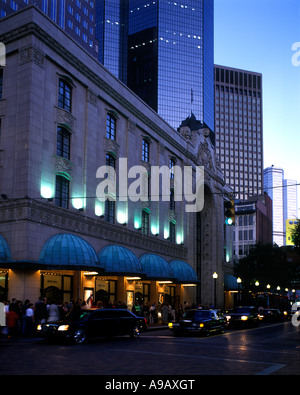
{"x":266,"y":264}
{"x":296,"y":234}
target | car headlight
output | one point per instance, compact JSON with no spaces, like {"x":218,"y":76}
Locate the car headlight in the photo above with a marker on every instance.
{"x":39,"y":327}
{"x":244,"y":317}
{"x":228,"y":317}
{"x":63,"y":327}
{"x":170,"y":324}
{"x":201,"y":325}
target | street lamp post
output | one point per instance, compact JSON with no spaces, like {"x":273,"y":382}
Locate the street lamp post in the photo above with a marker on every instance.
{"x":239,"y":288}
{"x":215,"y":276}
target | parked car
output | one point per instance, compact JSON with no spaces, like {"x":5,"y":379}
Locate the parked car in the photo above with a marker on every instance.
{"x":243,"y":316}
{"x":199,"y":322}
{"x":80,"y":325}
{"x":270,"y":315}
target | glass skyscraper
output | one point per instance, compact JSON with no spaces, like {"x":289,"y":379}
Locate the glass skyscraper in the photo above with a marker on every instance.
{"x":164,"y":52}
{"x":171,"y":58}
{"x":112,"y":34}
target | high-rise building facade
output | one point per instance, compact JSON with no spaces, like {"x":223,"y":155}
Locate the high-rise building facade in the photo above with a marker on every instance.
{"x":112,"y":18}
{"x":239,"y":129}
{"x":283,"y":192}
{"x":171,"y":58}
{"x":75,"y":17}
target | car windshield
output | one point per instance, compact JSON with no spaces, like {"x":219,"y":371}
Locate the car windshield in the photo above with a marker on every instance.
{"x":78,"y":315}
{"x":190,"y":315}
{"x":243,"y":310}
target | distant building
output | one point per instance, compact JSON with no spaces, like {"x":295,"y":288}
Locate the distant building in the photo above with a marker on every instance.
{"x":239,"y":129}
{"x":283,"y":193}
{"x":253,"y":224}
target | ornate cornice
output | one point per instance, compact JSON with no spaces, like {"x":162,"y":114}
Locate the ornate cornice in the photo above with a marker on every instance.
{"x":29,"y":210}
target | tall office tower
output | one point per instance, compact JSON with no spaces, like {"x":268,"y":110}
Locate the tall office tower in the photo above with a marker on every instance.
{"x":76,"y":17}
{"x":171,"y":58}
{"x":290,"y":203}
{"x":273,"y":183}
{"x":239,"y":129}
{"x":112,"y":34}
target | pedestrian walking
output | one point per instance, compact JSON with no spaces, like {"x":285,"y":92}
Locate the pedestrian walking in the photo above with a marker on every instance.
{"x":53,"y":312}
{"x":40,"y":311}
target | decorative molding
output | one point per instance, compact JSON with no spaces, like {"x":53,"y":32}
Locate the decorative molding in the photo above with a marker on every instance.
{"x":64,"y":117}
{"x":63,"y":220}
{"x":64,"y":166}
{"x":32,"y":54}
{"x":92,"y":97}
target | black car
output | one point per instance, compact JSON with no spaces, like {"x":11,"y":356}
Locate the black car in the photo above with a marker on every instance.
{"x":243,"y":316}
{"x":271,"y":315}
{"x":83,"y":324}
{"x":199,"y":322}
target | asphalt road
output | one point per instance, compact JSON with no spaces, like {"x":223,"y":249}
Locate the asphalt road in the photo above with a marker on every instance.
{"x":270,"y":349}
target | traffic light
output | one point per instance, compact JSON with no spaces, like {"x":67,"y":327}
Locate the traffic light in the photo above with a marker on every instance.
{"x":229,"y":212}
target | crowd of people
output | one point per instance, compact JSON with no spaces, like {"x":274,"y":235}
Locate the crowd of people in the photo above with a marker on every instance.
{"x":22,"y":318}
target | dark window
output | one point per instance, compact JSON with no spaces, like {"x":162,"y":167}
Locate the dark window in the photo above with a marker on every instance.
{"x":62,"y":192}
{"x":145,"y":150}
{"x":64,"y":95}
{"x":1,"y":83}
{"x":145,"y":222}
{"x":172,"y":232}
{"x":109,"y":211}
{"x":171,"y":165}
{"x":110,"y":161}
{"x":110,"y":127}
{"x":172,"y":201}
{"x":63,"y":143}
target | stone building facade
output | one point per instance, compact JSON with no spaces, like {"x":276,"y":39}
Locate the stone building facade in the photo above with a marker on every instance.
{"x":63,"y":116}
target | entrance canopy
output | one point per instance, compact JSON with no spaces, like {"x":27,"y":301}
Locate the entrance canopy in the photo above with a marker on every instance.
{"x":119,"y":260}
{"x":5,"y":255}
{"x":156,"y":268}
{"x":230,"y":283}
{"x":183,"y":272}
{"x":67,"y":251}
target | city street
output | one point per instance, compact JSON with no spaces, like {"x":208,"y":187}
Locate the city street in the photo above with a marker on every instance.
{"x":270,"y":349}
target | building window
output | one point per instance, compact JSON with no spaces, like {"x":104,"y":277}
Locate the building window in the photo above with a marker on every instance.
{"x":172,"y":233}
{"x":110,"y":127}
{"x":64,"y":95}
{"x":145,"y":150}
{"x":63,"y":143}
{"x":109,"y":215}
{"x":110,"y":205}
{"x":1,"y":84}
{"x":145,"y":222}
{"x":171,"y":165}
{"x":62,"y":192}
{"x":172,"y":200}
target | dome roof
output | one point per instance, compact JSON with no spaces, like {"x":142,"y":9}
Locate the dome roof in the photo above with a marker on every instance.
{"x":68,"y":250}
{"x":155,"y":267}
{"x":119,"y":260}
{"x":183,"y":272}
{"x":5,"y":254}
